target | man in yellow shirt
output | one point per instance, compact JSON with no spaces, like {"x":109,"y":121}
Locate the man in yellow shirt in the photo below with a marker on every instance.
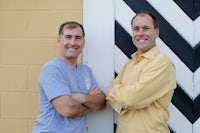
{"x":143,"y":89}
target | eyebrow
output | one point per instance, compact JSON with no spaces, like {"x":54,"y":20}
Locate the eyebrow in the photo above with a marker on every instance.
{"x":142,"y":26}
{"x":77,"y":36}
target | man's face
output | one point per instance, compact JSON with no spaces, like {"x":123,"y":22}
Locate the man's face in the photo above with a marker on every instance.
{"x":71,"y":43}
{"x":144,"y":34}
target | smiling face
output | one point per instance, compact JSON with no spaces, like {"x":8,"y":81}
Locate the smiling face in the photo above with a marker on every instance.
{"x":71,"y":43}
{"x":144,"y":33}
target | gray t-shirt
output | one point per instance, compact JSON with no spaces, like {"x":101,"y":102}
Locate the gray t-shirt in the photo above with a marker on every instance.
{"x":56,"y":79}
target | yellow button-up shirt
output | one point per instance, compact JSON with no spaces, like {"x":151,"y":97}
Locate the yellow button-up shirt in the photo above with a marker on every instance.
{"x":142,"y":92}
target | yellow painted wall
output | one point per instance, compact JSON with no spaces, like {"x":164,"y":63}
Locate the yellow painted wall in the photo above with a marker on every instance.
{"x":28,"y":31}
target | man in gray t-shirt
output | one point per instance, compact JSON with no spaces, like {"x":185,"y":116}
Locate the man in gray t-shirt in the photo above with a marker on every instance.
{"x":67,"y":90}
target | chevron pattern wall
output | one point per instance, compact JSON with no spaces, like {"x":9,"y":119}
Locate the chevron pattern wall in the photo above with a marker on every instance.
{"x":179,"y":39}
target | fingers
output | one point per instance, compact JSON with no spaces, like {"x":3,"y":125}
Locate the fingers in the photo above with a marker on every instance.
{"x":95,"y":91}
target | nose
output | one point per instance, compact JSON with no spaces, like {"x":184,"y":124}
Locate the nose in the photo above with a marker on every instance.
{"x":140,"y":32}
{"x":72,"y":41}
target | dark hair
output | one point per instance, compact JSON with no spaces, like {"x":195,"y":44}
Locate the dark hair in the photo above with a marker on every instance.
{"x":154,"y":18}
{"x":70,"y":25}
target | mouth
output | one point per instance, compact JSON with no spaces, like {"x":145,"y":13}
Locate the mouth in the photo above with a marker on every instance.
{"x":141,"y":40}
{"x":71,"y":48}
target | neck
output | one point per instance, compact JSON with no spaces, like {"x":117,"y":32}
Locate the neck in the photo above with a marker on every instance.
{"x":72,"y":62}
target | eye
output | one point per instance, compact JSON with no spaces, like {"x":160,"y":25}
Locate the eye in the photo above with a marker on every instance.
{"x":146,"y":28}
{"x":78,"y":37}
{"x":136,"y":29}
{"x":67,"y":37}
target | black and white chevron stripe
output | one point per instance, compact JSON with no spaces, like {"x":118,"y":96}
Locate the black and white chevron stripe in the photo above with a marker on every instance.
{"x":179,"y":38}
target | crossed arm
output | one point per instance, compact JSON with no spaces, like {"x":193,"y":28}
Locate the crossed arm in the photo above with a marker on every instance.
{"x":77,"y":104}
{"x":94,"y":101}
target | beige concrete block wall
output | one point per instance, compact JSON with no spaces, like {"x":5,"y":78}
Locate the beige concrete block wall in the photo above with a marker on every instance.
{"x":28,"y":31}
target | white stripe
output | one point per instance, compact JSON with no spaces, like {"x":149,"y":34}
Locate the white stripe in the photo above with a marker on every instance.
{"x":196,"y":30}
{"x":196,"y":126}
{"x":98,"y":20}
{"x":115,"y":117}
{"x":185,"y":82}
{"x":178,"y":122}
{"x":184,"y":76}
{"x":176,"y":17}
{"x":120,"y":59}
{"x":197,"y":82}
{"x":124,"y":15}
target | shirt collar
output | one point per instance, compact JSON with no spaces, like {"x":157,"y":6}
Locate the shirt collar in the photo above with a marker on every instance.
{"x":149,"y":54}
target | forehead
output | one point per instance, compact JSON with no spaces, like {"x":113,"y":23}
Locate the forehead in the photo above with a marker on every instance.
{"x":72,"y":30}
{"x":143,"y":20}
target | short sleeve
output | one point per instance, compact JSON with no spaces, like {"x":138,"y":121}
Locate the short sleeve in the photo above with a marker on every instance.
{"x":53,"y":83}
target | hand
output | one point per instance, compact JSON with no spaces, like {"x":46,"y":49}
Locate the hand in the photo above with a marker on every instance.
{"x":95,"y":91}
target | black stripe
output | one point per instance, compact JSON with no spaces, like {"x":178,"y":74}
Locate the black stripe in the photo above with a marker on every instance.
{"x":197,"y":55}
{"x":190,"y":7}
{"x":116,"y":74}
{"x":183,"y":102}
{"x":171,"y":131}
{"x":188,"y":107}
{"x":115,"y":127}
{"x":196,"y":8}
{"x":169,"y":35}
{"x":123,"y":40}
{"x":196,"y":108}
{"x":115,"y":124}
{"x":191,"y":57}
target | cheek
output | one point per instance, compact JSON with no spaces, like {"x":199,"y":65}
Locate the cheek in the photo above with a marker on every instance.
{"x":133,"y":40}
{"x":83,"y":45}
{"x":156,"y":33}
{"x":133,"y":37}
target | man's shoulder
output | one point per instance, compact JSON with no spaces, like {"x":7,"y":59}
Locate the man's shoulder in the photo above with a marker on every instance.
{"x":84,"y":67}
{"x":163,"y":56}
{"x":52,"y":64}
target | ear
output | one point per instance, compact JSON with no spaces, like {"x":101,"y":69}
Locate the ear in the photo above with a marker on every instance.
{"x":157,"y":32}
{"x":84,"y":42}
{"x":58,"y":40}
